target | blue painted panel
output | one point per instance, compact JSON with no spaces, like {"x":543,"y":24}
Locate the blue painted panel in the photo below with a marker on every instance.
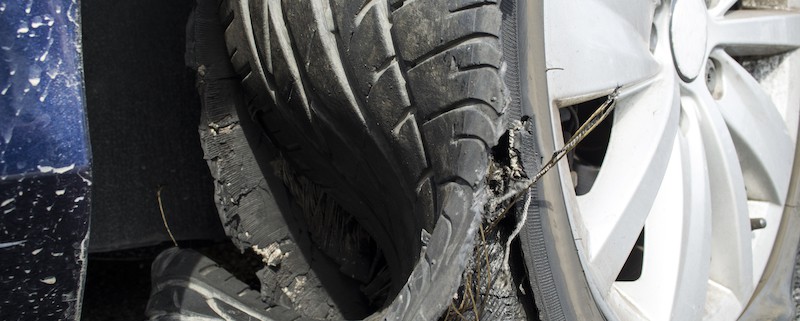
{"x":44,"y":161}
{"x":42,"y":119}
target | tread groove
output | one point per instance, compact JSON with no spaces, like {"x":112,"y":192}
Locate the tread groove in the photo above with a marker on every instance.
{"x":452,"y":44}
{"x":357,"y":107}
{"x":466,"y":103}
{"x":473,"y":6}
{"x":425,"y":176}
{"x":463,"y":69}
{"x":461,"y":137}
{"x":290,"y":54}
{"x":261,"y":53}
{"x":363,"y":12}
{"x":411,"y":110}
{"x":385,"y":65}
{"x":408,"y":113}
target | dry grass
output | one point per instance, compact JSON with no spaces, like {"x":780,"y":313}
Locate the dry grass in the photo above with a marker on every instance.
{"x":163,"y":216}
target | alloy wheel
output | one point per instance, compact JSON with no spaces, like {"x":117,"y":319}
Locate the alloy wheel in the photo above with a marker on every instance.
{"x":692,"y":178}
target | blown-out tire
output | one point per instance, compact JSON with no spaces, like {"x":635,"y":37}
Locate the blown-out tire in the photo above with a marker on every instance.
{"x":390,"y":107}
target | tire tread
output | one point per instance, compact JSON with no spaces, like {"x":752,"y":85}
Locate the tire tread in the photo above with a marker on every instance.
{"x":357,"y":89}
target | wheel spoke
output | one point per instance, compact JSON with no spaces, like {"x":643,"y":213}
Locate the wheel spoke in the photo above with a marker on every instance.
{"x":645,"y":125}
{"x":731,"y":253}
{"x":764,"y":238}
{"x":587,"y":60}
{"x":755,"y":32}
{"x":677,"y":250}
{"x":763,"y":144}
{"x":689,"y":162}
{"x":721,"y":303}
{"x":717,"y":8}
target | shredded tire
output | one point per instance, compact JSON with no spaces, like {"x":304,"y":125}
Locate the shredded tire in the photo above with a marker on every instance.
{"x":389,"y":107}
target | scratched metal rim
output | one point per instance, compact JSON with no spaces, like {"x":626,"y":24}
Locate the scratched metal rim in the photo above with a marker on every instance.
{"x":700,"y":153}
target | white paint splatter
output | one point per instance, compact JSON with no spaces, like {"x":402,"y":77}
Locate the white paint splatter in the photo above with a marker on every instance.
{"x":37,"y":22}
{"x":79,"y":199}
{"x":53,"y":73}
{"x":63,"y":170}
{"x":10,"y":244}
{"x":57,"y":170}
{"x":36,"y":251}
{"x":49,"y":280}
{"x":61,"y":192}
{"x":88,"y":182}
{"x":6,"y":202}
{"x":49,"y":19}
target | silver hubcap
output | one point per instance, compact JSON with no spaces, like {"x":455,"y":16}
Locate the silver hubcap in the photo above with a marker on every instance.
{"x":688,"y":35}
{"x":698,"y":162}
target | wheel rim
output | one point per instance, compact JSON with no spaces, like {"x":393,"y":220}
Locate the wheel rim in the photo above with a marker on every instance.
{"x":688,"y":122}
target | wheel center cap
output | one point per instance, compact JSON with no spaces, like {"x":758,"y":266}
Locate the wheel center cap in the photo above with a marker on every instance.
{"x":688,"y":33}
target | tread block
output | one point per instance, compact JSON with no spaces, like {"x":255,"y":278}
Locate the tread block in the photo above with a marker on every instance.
{"x":411,"y":151}
{"x":459,"y":143}
{"x":418,"y":282}
{"x":422,"y":30}
{"x":451,"y":78}
{"x":260,"y":30}
{"x":466,"y":122}
{"x":241,"y":62}
{"x":425,"y":204}
{"x":187,"y":284}
{"x":289,"y":85}
{"x":318,"y":54}
{"x":369,"y":46}
{"x":387,"y":99}
{"x":440,"y":241}
{"x":455,"y":208}
{"x":459,"y":161}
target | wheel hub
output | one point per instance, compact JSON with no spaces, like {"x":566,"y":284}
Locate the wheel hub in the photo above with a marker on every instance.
{"x":688,"y":36}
